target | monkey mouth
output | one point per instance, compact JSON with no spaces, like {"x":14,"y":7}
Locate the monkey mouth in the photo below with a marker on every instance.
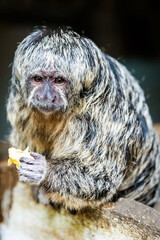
{"x":46,"y":108}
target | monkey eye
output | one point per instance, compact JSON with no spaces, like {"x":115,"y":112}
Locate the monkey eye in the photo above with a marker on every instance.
{"x":37,"y":78}
{"x":59,"y":80}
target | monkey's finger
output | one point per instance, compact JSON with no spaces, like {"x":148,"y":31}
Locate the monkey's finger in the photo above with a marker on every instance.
{"x":32,"y":168}
{"x":26,"y":179}
{"x":30,"y":161}
{"x":28,"y":173}
{"x":36,"y":155}
{"x":34,"y":177}
{"x":26,"y":160}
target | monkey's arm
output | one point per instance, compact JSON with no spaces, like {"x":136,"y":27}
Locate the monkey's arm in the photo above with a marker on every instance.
{"x":67,"y":177}
{"x":70,"y":177}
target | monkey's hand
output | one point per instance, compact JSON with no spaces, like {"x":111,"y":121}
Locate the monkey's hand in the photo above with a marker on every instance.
{"x":32,"y":170}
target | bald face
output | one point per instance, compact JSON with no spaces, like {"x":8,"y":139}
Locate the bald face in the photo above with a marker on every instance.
{"x":49,"y":91}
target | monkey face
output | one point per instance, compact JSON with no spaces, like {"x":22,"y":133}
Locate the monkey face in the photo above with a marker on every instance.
{"x":53,"y":69}
{"x":48,"y":92}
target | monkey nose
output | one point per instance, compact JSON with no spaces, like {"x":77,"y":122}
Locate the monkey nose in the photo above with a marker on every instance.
{"x":52,"y":99}
{"x":46,"y":98}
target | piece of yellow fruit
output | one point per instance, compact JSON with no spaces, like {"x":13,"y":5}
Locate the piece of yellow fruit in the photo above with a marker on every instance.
{"x":16,"y":154}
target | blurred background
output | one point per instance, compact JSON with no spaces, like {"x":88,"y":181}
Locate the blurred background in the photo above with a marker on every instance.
{"x":126,"y":30}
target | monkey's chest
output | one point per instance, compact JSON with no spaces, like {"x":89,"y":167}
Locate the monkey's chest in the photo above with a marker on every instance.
{"x":40,"y":141}
{"x":44,"y":135}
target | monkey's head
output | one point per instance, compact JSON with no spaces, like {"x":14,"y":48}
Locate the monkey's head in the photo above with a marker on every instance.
{"x":52,"y":68}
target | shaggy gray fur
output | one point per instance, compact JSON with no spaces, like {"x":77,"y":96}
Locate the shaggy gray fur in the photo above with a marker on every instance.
{"x":102,"y":146}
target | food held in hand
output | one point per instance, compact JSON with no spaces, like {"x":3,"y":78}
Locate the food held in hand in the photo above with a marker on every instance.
{"x":16,"y":154}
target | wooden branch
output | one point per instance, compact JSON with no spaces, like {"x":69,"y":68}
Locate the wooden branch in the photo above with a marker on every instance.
{"x":127,"y":219}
